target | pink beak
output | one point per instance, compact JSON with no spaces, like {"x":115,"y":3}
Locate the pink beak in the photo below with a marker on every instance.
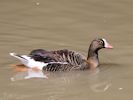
{"x":109,"y":46}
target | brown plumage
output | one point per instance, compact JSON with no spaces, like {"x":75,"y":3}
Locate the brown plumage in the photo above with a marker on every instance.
{"x":71,"y":60}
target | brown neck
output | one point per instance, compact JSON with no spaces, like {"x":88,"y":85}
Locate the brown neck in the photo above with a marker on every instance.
{"x":92,"y":58}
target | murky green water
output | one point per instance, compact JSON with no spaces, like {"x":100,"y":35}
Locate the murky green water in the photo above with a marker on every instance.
{"x":72,"y":24}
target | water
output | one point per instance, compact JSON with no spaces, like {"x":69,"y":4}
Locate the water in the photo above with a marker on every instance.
{"x":52,"y":25}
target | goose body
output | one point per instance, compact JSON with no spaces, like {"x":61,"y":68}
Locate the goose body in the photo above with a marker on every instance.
{"x":63,"y":60}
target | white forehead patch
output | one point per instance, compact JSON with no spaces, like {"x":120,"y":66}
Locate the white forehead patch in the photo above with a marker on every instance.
{"x":105,"y":42}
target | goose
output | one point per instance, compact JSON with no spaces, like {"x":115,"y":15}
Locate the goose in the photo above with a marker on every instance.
{"x":64,"y":60}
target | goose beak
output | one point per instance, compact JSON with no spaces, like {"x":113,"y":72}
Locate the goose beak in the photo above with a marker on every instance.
{"x":107,"y":45}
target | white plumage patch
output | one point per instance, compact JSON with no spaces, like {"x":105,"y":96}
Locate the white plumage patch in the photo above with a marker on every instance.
{"x":28,"y":61}
{"x":105,"y":43}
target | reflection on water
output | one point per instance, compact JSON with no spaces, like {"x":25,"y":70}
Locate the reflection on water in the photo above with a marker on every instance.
{"x":100,"y":87}
{"x":29,"y":73}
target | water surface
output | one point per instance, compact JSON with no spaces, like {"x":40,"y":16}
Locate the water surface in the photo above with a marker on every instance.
{"x":52,"y":25}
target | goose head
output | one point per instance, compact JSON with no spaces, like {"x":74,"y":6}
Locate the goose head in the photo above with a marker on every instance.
{"x":95,"y":46}
{"x":99,"y":43}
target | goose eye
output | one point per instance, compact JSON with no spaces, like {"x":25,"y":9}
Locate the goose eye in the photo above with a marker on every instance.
{"x":101,"y":42}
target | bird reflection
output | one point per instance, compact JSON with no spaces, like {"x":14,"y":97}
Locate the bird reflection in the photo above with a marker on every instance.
{"x":22,"y":73}
{"x":93,"y":77}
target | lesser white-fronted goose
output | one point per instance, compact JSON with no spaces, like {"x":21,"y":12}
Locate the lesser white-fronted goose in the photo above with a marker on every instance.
{"x":63,"y":60}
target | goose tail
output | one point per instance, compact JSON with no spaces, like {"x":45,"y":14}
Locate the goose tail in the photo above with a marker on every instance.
{"x":22,"y":58}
